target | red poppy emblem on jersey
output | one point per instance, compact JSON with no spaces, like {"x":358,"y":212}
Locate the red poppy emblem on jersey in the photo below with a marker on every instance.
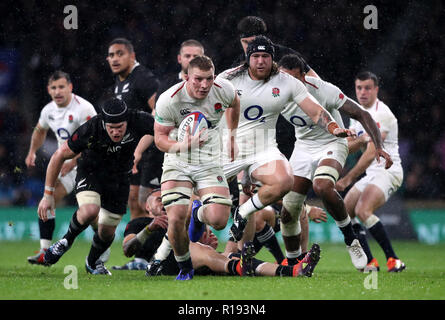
{"x":378,"y":125}
{"x":75,"y":136}
{"x":275,"y":92}
{"x":341,"y":96}
{"x":218,"y":107}
{"x":70,"y":118}
{"x":88,"y":118}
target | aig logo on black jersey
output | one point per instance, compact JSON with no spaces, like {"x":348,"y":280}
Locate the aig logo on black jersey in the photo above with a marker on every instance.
{"x":112,"y":149}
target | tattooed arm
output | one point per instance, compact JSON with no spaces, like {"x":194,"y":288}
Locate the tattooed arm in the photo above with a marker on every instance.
{"x":322,"y":117}
{"x":351,"y":109}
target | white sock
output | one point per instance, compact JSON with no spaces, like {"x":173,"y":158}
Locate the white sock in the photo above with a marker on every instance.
{"x":45,"y":243}
{"x":200,"y":214}
{"x":343,"y":223}
{"x":163,"y":250}
{"x":293,"y":254}
{"x":250,"y":206}
{"x":182,"y":258}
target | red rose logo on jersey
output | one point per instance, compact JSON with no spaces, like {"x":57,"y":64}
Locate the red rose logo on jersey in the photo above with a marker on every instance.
{"x":341,"y":96}
{"x":276,"y":92}
{"x":70,"y":118}
{"x":218,"y":107}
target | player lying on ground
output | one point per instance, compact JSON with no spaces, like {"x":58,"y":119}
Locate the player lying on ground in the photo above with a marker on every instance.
{"x":143,"y":234}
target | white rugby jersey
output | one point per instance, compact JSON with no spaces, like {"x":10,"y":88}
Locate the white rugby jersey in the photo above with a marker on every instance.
{"x":64,"y":121}
{"x":386,"y":122}
{"x":261,"y":104}
{"x":306,"y":131}
{"x":175,"y":104}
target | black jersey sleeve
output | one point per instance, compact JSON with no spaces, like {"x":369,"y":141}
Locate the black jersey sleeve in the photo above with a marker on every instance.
{"x":147,"y":85}
{"x":83,"y":135}
{"x":136,"y":225}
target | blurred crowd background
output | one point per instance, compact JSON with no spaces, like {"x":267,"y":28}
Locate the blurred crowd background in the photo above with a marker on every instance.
{"x":406,"y":52}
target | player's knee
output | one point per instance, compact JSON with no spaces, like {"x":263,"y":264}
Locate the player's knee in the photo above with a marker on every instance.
{"x":88,"y":212}
{"x":324,"y":180}
{"x":217,"y":215}
{"x":363,"y":213}
{"x":293,"y":202}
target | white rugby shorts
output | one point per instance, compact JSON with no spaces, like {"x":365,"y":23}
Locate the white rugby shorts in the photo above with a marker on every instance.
{"x":304,"y":161}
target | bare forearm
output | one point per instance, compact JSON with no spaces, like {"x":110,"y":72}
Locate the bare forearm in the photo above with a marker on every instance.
{"x":53,"y":170}
{"x":371,"y":128}
{"x":353,"y":110}
{"x":144,"y":143}
{"x":37,"y":139}
{"x":361,"y":165}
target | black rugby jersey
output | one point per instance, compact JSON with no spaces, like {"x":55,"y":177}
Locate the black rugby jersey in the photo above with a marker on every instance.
{"x":102,"y":156}
{"x":137,"y":88}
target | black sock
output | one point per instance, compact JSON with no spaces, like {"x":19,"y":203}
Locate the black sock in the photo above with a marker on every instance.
{"x":348,"y":233}
{"x":257,"y":244}
{"x":74,"y":229}
{"x":379,"y":234}
{"x":47,"y":228}
{"x":361,"y":234}
{"x":301,"y":256}
{"x":185,"y":265}
{"x":292,"y":261}
{"x":268,"y":238}
{"x":98,"y":247}
{"x":231,"y":266}
{"x":284,"y":271}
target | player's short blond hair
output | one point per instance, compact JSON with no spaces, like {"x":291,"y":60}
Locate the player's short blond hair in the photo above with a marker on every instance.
{"x":202,"y":62}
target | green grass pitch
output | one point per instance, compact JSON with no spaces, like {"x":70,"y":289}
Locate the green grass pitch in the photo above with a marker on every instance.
{"x":334,"y":278}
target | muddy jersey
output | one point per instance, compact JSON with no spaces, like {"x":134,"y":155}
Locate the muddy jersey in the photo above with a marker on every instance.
{"x":307,"y":132}
{"x":386,"y":122}
{"x":102,"y":156}
{"x":175,"y":104}
{"x":64,"y":121}
{"x":260,"y":105}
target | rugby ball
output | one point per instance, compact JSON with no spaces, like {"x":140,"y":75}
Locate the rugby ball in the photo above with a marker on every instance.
{"x":194,"y":123}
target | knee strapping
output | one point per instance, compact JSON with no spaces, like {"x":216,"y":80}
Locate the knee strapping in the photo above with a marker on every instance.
{"x":326,"y":172}
{"x":293,"y":203}
{"x":211,"y":198}
{"x":176,"y":196}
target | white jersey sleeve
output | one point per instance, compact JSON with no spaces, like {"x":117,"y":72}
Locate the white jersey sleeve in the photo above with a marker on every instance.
{"x":163,"y":115}
{"x":329,"y":97}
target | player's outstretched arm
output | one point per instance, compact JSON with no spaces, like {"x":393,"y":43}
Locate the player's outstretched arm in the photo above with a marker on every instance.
{"x":362,"y":164}
{"x":352,"y":109}
{"x":52,"y":172}
{"x":322,"y":117}
{"x":143,"y":144}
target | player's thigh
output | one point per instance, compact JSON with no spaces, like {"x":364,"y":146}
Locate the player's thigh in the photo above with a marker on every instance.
{"x":176,"y":199}
{"x":217,"y":204}
{"x":351,"y":200}
{"x":276,"y":172}
{"x":371,"y":199}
